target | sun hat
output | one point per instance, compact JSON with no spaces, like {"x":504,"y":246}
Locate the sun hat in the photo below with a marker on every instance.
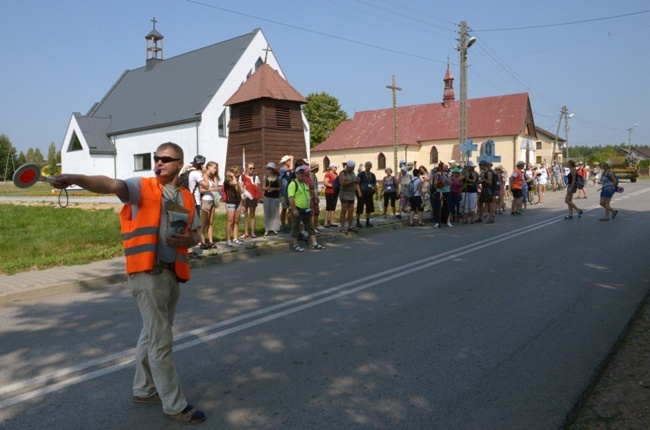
{"x":314,"y":165}
{"x":455,"y":170}
{"x":470,"y":164}
{"x":285,"y":159}
{"x":351,"y":163}
{"x":521,"y":163}
{"x":404,"y":169}
{"x":402,"y":161}
{"x":271,"y":165}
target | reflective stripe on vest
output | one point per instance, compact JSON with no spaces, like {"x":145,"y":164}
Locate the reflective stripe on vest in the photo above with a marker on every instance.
{"x":140,"y":234}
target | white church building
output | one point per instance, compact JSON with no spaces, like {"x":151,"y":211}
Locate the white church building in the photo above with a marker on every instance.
{"x":180,"y":99}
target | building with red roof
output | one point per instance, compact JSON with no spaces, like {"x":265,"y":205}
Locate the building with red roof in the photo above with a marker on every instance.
{"x":429,"y":133}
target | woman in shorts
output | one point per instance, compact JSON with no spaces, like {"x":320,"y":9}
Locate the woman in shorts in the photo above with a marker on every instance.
{"x":609,"y":181}
{"x":209,"y":201}
{"x":233,"y":193}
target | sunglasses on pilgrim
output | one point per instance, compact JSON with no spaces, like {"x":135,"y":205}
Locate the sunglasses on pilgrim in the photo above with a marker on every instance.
{"x":164,"y":160}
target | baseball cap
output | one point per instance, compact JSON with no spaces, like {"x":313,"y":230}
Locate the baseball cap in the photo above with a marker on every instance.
{"x":483,"y":163}
{"x":300,"y":168}
{"x":351,"y":163}
{"x":199,"y":159}
{"x":471,"y":164}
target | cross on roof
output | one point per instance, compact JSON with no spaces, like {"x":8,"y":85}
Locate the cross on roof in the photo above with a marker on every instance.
{"x":154,"y":22}
{"x":266,"y":52}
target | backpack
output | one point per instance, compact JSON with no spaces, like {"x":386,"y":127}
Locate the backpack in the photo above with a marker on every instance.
{"x":408,"y":190}
{"x":580,"y":181}
{"x":496,"y":183}
{"x":336,"y":185}
{"x":184,"y":181}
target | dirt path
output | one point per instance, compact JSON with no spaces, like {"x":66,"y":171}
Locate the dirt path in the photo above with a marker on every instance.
{"x":621,"y":398}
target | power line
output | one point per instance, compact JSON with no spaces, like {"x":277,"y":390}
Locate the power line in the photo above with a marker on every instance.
{"x":295,"y":27}
{"x":531,"y":27}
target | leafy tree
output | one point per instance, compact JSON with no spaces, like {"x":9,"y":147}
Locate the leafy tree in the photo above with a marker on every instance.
{"x":52,"y":168}
{"x":324,"y":114}
{"x":7,"y":157}
{"x":21,"y":159}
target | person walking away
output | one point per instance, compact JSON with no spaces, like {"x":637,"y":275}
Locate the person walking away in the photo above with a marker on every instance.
{"x":156,"y":264}
{"x":331,"y":195}
{"x":271,"y":186}
{"x":389,"y":191}
{"x":571,"y":189}
{"x":348,"y":180}
{"x":441,"y":196}
{"x":209,"y":201}
{"x":232,"y":192}
{"x":286,"y":170}
{"x":469,"y":180}
{"x":252,"y":192}
{"x":609,"y":183}
{"x":516,"y":187}
{"x":366,"y":190}
{"x":300,"y":201}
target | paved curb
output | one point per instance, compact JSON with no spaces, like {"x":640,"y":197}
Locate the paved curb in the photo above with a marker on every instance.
{"x":76,"y":279}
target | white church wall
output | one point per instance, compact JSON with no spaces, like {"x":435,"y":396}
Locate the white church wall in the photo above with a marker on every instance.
{"x":143,"y":142}
{"x":81,"y":161}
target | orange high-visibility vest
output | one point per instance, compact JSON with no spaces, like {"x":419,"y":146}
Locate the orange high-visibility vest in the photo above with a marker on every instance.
{"x":140,"y":234}
{"x":518,"y":182}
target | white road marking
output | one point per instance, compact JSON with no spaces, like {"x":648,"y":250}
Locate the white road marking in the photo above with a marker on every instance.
{"x":125,"y":359}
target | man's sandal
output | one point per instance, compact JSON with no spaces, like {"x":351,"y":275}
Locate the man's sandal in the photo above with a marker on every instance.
{"x":297,"y":248}
{"x":318,"y":246}
{"x":188,"y":416}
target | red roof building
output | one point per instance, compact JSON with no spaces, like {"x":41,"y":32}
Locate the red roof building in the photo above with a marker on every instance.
{"x":428,"y":133}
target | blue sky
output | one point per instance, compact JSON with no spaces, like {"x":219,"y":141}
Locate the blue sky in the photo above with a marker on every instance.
{"x":61,"y":56}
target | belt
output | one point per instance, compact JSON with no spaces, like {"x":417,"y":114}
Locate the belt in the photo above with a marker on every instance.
{"x":164,"y":265}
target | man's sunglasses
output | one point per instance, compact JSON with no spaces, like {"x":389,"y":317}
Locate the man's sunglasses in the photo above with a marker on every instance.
{"x":164,"y":160}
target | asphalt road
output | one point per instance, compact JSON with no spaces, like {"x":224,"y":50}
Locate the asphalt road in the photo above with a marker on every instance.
{"x":475,"y":327}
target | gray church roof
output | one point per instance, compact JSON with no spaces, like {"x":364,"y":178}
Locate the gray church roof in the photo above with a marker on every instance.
{"x":172,"y":91}
{"x":94,"y":132}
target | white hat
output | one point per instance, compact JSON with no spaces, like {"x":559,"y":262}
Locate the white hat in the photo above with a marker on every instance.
{"x":333,"y":165}
{"x":471,"y":164}
{"x":452,"y":161}
{"x":285,"y":159}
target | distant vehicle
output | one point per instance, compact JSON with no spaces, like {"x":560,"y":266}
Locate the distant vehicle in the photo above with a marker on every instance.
{"x":625,"y":168}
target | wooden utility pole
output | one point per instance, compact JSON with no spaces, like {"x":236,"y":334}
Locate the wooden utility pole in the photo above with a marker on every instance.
{"x":463,"y":85}
{"x":394,"y":88}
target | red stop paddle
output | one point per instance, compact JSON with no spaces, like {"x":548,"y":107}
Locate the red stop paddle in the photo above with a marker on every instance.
{"x":29,"y":174}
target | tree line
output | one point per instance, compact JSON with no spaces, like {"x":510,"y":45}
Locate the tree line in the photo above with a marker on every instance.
{"x":10,"y":159}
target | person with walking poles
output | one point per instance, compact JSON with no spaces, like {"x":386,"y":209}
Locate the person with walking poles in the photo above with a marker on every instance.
{"x":571,"y":189}
{"x":609,"y":181}
{"x":158,"y":222}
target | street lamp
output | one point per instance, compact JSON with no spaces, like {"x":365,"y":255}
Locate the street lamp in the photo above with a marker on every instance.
{"x":464,"y":44}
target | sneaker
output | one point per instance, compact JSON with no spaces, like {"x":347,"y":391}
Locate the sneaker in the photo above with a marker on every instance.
{"x":237,"y":242}
{"x":436,"y":225}
{"x":449,"y":224}
{"x":229,"y":243}
{"x":398,"y":216}
{"x":359,"y":225}
{"x":368,"y":224}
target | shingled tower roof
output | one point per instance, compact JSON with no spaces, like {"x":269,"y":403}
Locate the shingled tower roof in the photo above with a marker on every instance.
{"x":266,"y":82}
